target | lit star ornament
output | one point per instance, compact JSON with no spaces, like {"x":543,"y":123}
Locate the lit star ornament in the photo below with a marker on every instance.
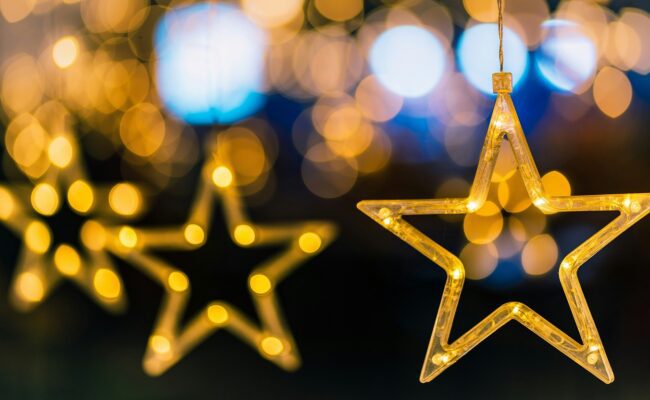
{"x":504,"y":124}
{"x":49,"y":156}
{"x":170,"y":341}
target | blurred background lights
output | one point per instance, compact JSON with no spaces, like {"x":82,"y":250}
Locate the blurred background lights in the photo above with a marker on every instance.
{"x":623,"y":45}
{"x":272,"y":14}
{"x":23,"y":84}
{"x":539,"y":255}
{"x":65,"y":51}
{"x":638,"y":22}
{"x":612,"y":91}
{"x":210,"y":63}
{"x":60,"y":151}
{"x":112,"y":15}
{"x":567,"y":57}
{"x":408,"y":60}
{"x":142,"y":129}
{"x":481,"y":10}
{"x":507,"y":226}
{"x":478,"y":51}
{"x":375,"y":102}
{"x":15,"y":10}
{"x":484,"y":225}
{"x":339,"y":10}
{"x":479,"y":260}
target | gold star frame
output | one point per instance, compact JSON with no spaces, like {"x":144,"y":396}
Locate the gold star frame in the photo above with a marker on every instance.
{"x":504,"y":124}
{"x":45,"y":150}
{"x":169,"y":342}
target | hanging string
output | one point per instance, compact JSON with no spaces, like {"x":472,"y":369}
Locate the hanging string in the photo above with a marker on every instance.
{"x":500,"y":24}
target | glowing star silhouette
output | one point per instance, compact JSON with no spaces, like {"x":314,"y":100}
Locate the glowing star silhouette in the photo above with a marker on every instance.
{"x":58,"y":176}
{"x":589,"y":352}
{"x":169,"y":342}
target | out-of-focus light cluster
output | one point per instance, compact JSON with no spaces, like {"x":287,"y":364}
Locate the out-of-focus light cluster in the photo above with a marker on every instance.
{"x":103,"y":77}
{"x":507,"y":226}
{"x":324,"y":64}
{"x":567,"y":57}
{"x":340,"y":140}
{"x":43,"y":149}
{"x":172,"y":338}
{"x":142,"y":74}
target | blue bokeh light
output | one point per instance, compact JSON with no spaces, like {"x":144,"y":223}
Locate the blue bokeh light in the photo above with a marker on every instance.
{"x":478,"y":51}
{"x":567,"y":57}
{"x":408,"y":60}
{"x":210,"y":63}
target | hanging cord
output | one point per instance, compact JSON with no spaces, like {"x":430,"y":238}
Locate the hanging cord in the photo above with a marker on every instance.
{"x":500,"y":25}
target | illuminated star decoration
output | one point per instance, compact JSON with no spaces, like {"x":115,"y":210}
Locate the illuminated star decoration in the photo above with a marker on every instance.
{"x":58,"y":176}
{"x":589,"y":353}
{"x":169,"y":342}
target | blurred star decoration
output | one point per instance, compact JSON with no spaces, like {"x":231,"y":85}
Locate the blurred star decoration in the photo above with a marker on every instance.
{"x":44,"y":150}
{"x":299,"y":241}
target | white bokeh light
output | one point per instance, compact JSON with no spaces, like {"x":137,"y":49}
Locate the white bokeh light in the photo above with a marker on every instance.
{"x":210,"y":63}
{"x":567,"y":56}
{"x":478,"y":55}
{"x":408,"y":60}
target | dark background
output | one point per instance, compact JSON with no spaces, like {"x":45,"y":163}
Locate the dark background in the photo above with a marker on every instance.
{"x":362,"y":311}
